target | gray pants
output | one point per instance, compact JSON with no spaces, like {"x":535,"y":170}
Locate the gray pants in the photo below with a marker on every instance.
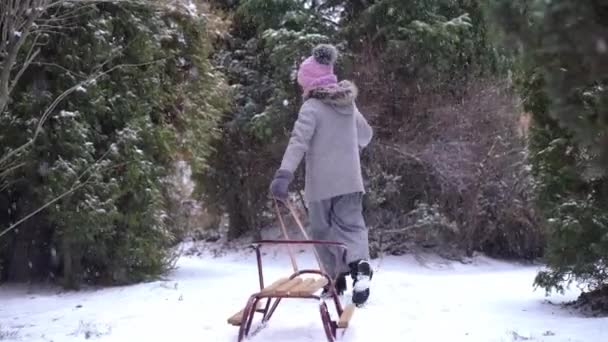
{"x":339,"y":219}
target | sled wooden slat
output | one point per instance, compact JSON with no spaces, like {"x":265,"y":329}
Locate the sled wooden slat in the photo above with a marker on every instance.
{"x":270,"y":288}
{"x":313,"y":287}
{"x":284,"y":288}
{"x":296,"y":290}
{"x":237,"y":318}
{"x":347,"y":314}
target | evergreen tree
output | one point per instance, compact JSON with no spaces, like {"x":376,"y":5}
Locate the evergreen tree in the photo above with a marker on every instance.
{"x":567,"y":43}
{"x":268,"y":39}
{"x":440,"y":44}
{"x":562,"y":78}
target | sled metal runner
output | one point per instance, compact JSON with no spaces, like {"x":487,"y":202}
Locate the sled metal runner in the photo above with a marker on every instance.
{"x":297,"y":286}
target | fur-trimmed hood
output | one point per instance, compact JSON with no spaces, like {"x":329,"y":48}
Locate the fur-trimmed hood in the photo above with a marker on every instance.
{"x":342,"y":94}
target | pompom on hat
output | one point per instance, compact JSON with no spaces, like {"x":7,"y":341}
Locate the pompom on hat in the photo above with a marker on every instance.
{"x":318,"y":69}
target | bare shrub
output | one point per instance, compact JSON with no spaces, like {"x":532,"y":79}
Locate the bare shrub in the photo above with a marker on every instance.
{"x":7,"y":334}
{"x":593,"y":303}
{"x":91,"y":330}
{"x":459,"y":154}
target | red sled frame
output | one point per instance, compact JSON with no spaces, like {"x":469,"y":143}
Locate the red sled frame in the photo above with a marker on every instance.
{"x":274,"y":299}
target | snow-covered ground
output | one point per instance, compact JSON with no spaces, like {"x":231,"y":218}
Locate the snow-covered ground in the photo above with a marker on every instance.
{"x":411,"y":301}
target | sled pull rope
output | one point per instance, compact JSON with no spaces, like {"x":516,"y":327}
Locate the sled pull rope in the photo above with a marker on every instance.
{"x":299,"y":223}
{"x":291,"y":256}
{"x":381,"y":252}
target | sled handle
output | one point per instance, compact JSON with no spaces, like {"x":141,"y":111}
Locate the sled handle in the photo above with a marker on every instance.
{"x":257,"y":243}
{"x":293,"y":213}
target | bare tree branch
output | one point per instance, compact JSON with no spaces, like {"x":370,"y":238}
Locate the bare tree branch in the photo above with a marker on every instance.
{"x":62,"y":68}
{"x":4,"y":18}
{"x":32,"y":53}
{"x":19,"y":20}
{"x":46,"y":205}
{"x":47,"y":26}
{"x":77,"y":184}
{"x":405,"y":229}
{"x":18,"y":25}
{"x":9,"y":169}
{"x":73,"y":14}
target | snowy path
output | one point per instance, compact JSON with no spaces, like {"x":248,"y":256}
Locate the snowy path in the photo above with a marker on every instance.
{"x":485,"y":301}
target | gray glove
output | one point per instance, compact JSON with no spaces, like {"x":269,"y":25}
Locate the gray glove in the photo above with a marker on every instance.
{"x":280,"y":185}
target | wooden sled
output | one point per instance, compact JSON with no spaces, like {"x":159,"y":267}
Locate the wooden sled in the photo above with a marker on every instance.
{"x":301,"y":284}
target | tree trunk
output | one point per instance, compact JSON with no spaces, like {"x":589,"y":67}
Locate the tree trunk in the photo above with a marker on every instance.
{"x":18,"y":270}
{"x":238,"y":221}
{"x":71,"y":263}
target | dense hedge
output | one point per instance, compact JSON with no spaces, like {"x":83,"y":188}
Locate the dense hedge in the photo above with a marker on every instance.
{"x":115,"y":140}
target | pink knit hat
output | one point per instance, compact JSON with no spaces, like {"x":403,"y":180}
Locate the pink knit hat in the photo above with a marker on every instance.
{"x":318,"y":69}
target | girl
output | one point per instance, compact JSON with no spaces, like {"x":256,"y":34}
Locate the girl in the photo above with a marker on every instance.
{"x":329,"y":132}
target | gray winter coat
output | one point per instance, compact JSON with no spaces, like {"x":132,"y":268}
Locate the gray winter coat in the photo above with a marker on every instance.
{"x":329,"y":131}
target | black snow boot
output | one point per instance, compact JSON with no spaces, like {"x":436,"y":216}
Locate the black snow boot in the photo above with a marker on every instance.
{"x":341,"y":284}
{"x":362,"y":273}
